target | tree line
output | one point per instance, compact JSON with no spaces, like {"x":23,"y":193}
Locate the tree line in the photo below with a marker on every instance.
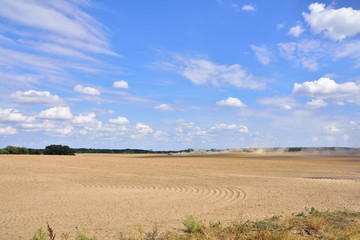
{"x":66,"y":150}
{"x":49,"y":150}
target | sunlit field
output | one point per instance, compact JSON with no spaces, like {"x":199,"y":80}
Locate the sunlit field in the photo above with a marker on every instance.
{"x":112,"y":193}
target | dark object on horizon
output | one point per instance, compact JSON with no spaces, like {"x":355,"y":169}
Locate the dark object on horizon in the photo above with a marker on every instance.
{"x":58,"y":150}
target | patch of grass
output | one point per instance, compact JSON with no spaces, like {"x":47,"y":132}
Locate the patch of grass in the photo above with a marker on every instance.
{"x":311,"y":224}
{"x":215,"y":224}
{"x":40,"y":235}
{"x":192,"y":225}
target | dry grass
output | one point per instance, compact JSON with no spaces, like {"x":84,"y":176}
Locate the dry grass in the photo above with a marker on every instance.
{"x":340,"y":225}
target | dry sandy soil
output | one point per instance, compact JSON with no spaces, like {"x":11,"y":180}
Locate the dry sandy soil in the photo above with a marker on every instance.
{"x":112,"y":193}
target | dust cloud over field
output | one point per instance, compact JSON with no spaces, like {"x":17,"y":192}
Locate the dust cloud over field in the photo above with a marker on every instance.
{"x":109,"y":193}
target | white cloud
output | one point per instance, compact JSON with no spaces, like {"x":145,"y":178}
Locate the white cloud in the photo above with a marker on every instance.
{"x":35,"y":97}
{"x":6,"y":39}
{"x":16,"y":58}
{"x":296,"y":31}
{"x":62,"y":18}
{"x":348,"y":49}
{"x":315,"y":139}
{"x":119,"y":120}
{"x":164,"y":107}
{"x":7,"y":130}
{"x":13,"y":115}
{"x":63,"y":131}
{"x":285,"y":103}
{"x":336,"y":24}
{"x":286,"y":107}
{"x":230,"y":127}
{"x":56,"y":113}
{"x":262,"y":53}
{"x":331,"y":129}
{"x":305,"y":53}
{"x":61,"y":50}
{"x":248,"y":7}
{"x":45,"y":125}
{"x":328,"y":89}
{"x":143,"y":128}
{"x":231,"y":102}
{"x":88,"y":121}
{"x":161,"y":136}
{"x":111,"y":111}
{"x":204,"y":72}
{"x":86,"y":90}
{"x":121,"y":84}
{"x":280,"y":26}
{"x":316,"y":103}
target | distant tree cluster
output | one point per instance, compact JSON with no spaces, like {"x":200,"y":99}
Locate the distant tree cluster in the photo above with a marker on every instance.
{"x":58,"y":150}
{"x":49,"y":150}
{"x":14,"y":150}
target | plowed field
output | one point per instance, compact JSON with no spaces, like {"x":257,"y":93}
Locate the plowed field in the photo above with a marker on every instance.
{"x":112,"y":193}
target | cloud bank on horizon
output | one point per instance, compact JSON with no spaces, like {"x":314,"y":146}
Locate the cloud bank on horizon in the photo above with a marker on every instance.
{"x":132,"y":75}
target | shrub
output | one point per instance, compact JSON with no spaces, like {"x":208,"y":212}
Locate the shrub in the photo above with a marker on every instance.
{"x":58,"y":150}
{"x":192,"y":225}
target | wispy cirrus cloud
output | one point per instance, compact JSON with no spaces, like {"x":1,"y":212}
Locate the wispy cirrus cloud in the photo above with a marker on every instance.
{"x":262,"y":54}
{"x":46,"y":37}
{"x":201,"y":71}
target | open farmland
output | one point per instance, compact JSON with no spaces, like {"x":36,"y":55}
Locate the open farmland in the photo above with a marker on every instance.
{"x":112,"y":193}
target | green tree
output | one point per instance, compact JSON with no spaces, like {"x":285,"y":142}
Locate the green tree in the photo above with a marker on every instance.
{"x":14,"y":150}
{"x":58,"y":150}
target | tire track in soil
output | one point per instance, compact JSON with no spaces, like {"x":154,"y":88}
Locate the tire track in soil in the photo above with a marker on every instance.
{"x":197,"y":194}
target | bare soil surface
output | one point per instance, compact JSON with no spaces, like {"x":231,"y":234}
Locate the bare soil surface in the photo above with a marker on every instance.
{"x":113,"y":193}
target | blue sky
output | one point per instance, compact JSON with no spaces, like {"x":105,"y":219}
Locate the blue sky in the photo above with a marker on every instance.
{"x":169,"y":75}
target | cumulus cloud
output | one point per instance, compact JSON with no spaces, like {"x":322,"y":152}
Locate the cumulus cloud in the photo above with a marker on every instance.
{"x":35,"y":97}
{"x":141,"y":130}
{"x":327,"y":89}
{"x":88,"y":121}
{"x":121,"y":84}
{"x":204,"y":72}
{"x":13,"y":115}
{"x":164,"y":107}
{"x":86,"y":90}
{"x":296,"y":31}
{"x":7,"y":130}
{"x":316,"y":103}
{"x":249,"y":8}
{"x":119,"y":120}
{"x":336,"y":24}
{"x":56,"y":113}
{"x":262,"y":54}
{"x":231,"y":102}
